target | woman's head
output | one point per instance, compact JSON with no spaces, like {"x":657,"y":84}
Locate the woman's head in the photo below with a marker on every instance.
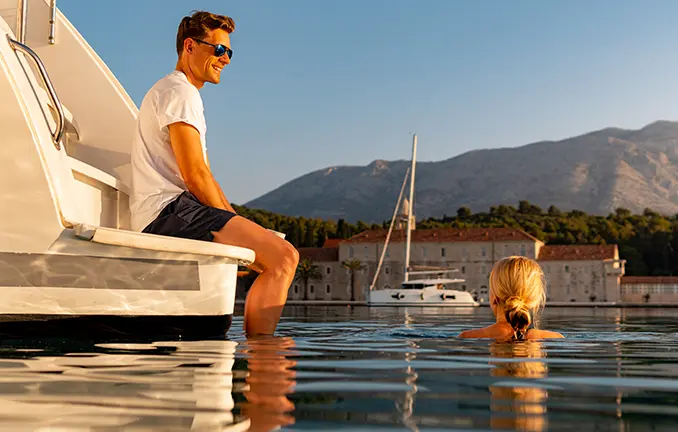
{"x":517,"y":290}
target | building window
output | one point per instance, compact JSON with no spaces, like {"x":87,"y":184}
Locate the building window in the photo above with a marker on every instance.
{"x":387,"y":270}
{"x":311,"y":289}
{"x":483,"y":252}
{"x":463,"y":270}
{"x":442,"y":252}
{"x":522,"y":250}
{"x":567,"y":269}
{"x":328,"y":288}
{"x":296,"y":289}
{"x":329,"y":270}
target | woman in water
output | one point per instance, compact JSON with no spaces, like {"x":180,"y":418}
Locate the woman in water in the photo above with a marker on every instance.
{"x":516,"y":294}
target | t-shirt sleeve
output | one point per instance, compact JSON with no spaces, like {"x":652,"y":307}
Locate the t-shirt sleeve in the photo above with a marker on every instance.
{"x":179,"y":105}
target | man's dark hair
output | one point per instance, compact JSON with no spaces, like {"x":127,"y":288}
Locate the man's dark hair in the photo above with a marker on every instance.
{"x":199,"y":24}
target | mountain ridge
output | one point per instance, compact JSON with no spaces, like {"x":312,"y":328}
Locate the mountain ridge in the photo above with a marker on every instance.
{"x":596,"y":172}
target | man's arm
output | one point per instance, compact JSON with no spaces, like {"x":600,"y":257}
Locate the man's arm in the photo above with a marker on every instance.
{"x":187,"y":148}
{"x":221,"y":191}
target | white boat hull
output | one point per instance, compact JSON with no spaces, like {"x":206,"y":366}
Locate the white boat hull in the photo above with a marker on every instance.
{"x":421,"y":297}
{"x":81,"y":287}
{"x":101,"y":279}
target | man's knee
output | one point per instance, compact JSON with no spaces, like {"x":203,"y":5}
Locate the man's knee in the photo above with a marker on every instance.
{"x":289,"y":257}
{"x":281,"y":259}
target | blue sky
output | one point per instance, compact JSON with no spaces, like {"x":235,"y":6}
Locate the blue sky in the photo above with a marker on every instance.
{"x":315,"y":83}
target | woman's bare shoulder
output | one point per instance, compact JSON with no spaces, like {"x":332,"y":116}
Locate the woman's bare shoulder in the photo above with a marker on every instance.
{"x":475,"y":333}
{"x":543,"y":334}
{"x":490,"y":332}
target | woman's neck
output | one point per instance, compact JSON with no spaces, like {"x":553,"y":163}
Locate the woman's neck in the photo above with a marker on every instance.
{"x":500,"y":315}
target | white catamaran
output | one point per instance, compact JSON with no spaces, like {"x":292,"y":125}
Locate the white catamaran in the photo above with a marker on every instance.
{"x":427,"y":291}
{"x":66,"y":248}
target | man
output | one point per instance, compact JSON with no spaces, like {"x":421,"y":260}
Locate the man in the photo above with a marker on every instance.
{"x":173,"y":190}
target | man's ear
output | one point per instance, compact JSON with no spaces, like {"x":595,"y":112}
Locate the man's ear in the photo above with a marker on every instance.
{"x":188,"y":45}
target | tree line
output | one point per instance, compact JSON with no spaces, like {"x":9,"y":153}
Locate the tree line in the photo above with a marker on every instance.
{"x":647,"y":241}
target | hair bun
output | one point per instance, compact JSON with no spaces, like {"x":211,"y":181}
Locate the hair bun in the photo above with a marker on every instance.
{"x":517,"y":315}
{"x":514,"y":302}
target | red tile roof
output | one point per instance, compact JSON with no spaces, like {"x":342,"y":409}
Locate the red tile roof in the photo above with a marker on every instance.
{"x":332,"y":243}
{"x":577,"y":252}
{"x":444,"y":235}
{"x":649,"y":280}
{"x":317,"y":254}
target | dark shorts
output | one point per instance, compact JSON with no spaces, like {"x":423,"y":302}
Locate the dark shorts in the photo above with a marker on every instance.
{"x":186,"y":217}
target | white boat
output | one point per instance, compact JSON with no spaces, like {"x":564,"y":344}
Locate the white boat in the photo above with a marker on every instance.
{"x":66,"y":246}
{"x":426,"y":291}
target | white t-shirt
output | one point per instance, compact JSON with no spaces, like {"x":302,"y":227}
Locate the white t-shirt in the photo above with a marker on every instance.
{"x":156,"y":179}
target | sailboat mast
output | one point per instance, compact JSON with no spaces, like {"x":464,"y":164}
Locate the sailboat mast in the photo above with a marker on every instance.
{"x":409,"y":210}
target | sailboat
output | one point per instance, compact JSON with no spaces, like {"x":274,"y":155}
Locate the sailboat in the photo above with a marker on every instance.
{"x":432,"y":289}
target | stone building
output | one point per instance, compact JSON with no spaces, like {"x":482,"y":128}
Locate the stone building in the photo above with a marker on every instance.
{"x":578,"y":273}
{"x":582,"y":273}
{"x":649,"y":289}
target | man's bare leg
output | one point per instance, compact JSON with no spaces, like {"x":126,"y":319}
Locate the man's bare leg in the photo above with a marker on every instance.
{"x":276,"y":258}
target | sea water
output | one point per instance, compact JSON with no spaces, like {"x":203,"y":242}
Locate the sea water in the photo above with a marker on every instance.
{"x":356,"y":368}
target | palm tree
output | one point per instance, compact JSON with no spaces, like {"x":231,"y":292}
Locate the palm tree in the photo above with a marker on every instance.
{"x":307,"y":270}
{"x":352,"y":265}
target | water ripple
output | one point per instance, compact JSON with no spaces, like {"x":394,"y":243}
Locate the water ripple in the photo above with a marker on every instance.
{"x":356,"y":369}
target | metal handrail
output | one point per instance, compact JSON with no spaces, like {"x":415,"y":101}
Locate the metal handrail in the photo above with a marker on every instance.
{"x":61,"y":118}
{"x":21,"y":18}
{"x":52,"y":21}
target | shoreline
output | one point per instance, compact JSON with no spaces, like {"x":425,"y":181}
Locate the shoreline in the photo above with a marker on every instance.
{"x":362,"y":303}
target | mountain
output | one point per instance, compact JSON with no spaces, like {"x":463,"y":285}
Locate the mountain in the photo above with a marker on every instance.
{"x":596,"y":172}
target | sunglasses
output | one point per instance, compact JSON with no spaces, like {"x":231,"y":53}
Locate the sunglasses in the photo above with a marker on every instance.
{"x":219,"y":50}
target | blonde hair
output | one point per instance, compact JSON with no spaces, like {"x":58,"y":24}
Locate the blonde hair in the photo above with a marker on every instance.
{"x":518,"y":284}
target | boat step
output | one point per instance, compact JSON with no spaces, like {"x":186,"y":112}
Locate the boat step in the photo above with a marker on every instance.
{"x":137,"y":240}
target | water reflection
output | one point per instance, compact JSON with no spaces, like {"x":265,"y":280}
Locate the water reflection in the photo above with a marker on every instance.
{"x":344,"y":368}
{"x":270,"y":379}
{"x":172,"y":385}
{"x":518,"y":404}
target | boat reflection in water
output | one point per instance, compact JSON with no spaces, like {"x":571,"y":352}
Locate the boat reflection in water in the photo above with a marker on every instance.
{"x":167,"y":386}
